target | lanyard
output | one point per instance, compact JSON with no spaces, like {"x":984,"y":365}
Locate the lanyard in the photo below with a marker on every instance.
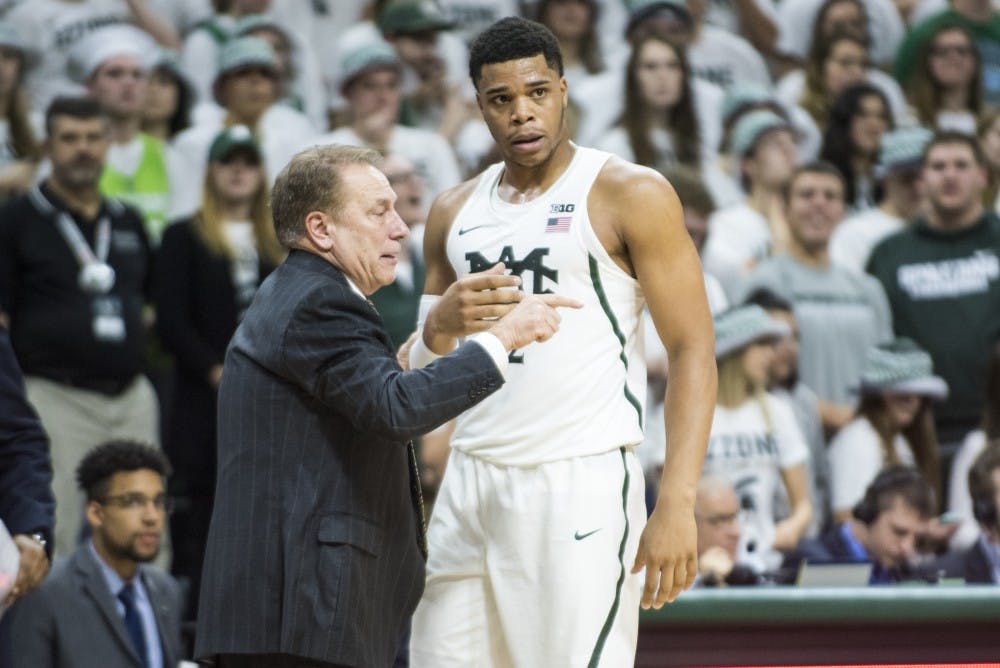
{"x":74,"y":238}
{"x":96,"y":275}
{"x":71,"y":233}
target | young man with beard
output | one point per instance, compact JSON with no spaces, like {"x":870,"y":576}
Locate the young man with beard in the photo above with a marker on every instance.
{"x":105,"y":605}
{"x":537,"y":537}
{"x":942,"y":277}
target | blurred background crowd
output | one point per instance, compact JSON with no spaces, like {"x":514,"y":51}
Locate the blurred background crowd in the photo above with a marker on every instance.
{"x":838,"y":162}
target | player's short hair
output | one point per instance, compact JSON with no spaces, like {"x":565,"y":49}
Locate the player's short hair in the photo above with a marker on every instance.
{"x":312,"y":181}
{"x":954,"y":137}
{"x":513,"y":38}
{"x":93,"y":475}
{"x":83,"y":108}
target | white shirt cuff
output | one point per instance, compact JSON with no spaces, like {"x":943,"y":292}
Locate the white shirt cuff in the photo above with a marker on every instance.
{"x":494,"y":348}
{"x":420,"y":354}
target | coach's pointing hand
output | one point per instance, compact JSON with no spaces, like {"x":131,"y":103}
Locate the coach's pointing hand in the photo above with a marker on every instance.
{"x":467,"y":303}
{"x":535,"y":319}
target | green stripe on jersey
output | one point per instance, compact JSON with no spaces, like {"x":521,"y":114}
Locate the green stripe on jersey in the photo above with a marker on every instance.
{"x":595,"y":657}
{"x":595,"y":278}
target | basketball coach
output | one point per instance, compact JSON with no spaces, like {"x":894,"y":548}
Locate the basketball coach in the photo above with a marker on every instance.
{"x":316,"y":551}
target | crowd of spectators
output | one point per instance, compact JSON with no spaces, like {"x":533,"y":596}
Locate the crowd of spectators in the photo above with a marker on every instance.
{"x":838,"y":162}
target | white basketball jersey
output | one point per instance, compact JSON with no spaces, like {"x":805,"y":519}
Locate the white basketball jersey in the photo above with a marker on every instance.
{"x":580,"y":392}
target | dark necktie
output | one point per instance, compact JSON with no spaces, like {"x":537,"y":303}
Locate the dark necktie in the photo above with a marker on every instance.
{"x":133,"y":622}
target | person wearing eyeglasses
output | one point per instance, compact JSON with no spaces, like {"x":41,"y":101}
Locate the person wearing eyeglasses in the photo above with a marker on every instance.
{"x":717,"y":515}
{"x":106,"y":605}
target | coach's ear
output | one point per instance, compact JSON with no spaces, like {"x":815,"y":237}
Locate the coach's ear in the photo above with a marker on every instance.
{"x":319,"y":231}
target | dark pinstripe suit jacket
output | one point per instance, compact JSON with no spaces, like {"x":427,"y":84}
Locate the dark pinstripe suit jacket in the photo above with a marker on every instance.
{"x":315,"y":543}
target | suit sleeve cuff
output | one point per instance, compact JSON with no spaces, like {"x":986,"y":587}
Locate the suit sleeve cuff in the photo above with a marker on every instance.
{"x":493,"y":348}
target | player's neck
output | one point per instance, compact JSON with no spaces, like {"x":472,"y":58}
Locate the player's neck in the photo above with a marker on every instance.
{"x":520,"y":184}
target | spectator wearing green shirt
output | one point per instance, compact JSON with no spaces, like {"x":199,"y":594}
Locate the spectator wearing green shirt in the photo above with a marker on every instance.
{"x":982,"y":22}
{"x":942,"y":278}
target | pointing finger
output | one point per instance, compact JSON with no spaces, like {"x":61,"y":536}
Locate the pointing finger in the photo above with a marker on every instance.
{"x":556,"y":301}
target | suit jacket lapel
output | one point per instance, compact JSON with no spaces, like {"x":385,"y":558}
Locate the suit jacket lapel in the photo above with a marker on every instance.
{"x":93,"y":584}
{"x":160,"y":603}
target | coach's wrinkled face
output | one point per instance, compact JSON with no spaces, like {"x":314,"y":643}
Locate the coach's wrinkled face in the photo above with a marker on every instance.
{"x":523,"y":103}
{"x":367,"y":233}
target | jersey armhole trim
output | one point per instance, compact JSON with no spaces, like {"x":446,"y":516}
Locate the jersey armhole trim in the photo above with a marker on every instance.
{"x":595,"y":278}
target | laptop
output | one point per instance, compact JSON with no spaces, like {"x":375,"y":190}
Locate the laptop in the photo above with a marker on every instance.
{"x":833,"y":575}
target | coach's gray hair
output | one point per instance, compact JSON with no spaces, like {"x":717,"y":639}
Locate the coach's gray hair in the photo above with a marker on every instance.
{"x":312,"y":182}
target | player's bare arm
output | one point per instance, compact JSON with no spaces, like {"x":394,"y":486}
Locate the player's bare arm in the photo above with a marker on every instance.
{"x":639,"y":220}
{"x":464,"y":303}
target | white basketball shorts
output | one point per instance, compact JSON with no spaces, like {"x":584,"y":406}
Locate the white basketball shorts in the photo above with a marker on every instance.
{"x":531,"y":566}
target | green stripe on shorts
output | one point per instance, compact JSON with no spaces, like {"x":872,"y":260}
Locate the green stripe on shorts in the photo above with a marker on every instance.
{"x":595,"y":657}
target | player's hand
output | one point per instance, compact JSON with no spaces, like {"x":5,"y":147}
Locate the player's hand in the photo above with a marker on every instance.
{"x":534,"y":320}
{"x":668,"y":550}
{"x":471,"y":304}
{"x":33,"y":566}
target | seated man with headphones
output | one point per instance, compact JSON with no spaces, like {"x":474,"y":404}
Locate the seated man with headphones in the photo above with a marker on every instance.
{"x":982,"y":563}
{"x":883,"y":530}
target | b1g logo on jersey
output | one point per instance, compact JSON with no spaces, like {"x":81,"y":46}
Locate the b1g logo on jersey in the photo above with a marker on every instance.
{"x":562,"y":208}
{"x":533,"y":262}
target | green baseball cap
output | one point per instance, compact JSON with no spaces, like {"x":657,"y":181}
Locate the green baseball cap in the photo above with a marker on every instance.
{"x":233,"y":137}
{"x":403,"y":17}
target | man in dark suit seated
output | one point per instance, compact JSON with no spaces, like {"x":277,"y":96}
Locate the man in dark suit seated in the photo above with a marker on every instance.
{"x":884,"y":529}
{"x":316,"y":550}
{"x":104,"y":606}
{"x":982,"y":563}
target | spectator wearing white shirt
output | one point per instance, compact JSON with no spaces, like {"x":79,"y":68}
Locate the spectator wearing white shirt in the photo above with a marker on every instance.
{"x":55,"y":27}
{"x":659,"y":126}
{"x":301,"y":85}
{"x":895,"y":424}
{"x":371,"y":85}
{"x":741,"y":235}
{"x":246,"y":90}
{"x":437,"y":95}
{"x":203,"y":44}
{"x":755,"y":441}
{"x":722,"y":57}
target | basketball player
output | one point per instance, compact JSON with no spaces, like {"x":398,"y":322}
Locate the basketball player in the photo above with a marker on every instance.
{"x":535,"y":544}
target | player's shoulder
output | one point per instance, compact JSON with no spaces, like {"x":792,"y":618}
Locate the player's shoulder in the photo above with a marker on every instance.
{"x":621,"y":180}
{"x":447,"y":205}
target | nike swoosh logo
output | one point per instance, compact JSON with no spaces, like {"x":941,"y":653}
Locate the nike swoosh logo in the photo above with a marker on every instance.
{"x":469,"y":229}
{"x":581,"y":536}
